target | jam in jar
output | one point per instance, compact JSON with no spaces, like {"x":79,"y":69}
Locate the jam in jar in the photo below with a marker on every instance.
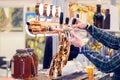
{"x":35,"y":61}
{"x":21,"y":65}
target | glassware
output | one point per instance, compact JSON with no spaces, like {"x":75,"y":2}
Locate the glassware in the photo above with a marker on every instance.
{"x":98,"y":18}
{"x":90,"y":71}
{"x":107,"y":19}
{"x":35,"y":61}
{"x":21,"y":65}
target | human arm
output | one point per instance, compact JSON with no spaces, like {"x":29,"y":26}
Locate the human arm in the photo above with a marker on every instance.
{"x":105,"y":38}
{"x":101,"y":62}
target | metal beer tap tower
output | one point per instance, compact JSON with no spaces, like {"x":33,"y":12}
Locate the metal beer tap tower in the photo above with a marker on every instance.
{"x":35,"y":27}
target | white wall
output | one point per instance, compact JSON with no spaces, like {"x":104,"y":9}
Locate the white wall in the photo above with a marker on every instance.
{"x":10,"y":41}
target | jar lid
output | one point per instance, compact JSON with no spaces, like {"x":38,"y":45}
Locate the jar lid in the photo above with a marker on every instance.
{"x":30,"y":50}
{"x":24,"y":51}
{"x":19,"y":51}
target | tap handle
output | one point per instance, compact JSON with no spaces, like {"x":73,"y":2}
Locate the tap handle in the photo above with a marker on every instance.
{"x":61,"y":18}
{"x":67,"y":21}
{"x":74,"y":21}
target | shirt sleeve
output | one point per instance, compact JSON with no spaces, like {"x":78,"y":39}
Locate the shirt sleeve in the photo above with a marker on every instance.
{"x":101,"y":62}
{"x":105,"y":38}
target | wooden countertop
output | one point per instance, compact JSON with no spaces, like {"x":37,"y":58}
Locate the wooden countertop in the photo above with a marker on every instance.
{"x":73,"y":76}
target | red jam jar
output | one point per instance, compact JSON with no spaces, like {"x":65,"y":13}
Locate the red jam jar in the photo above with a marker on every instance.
{"x":21,"y":65}
{"x":35,"y":60}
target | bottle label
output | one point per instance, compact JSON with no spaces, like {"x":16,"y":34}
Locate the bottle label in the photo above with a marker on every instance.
{"x":12,"y":68}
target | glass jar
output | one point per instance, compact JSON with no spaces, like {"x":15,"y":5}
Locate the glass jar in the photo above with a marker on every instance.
{"x":35,"y":60}
{"x":21,"y":65}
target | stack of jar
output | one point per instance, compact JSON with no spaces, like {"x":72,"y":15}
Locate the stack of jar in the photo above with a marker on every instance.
{"x":24,"y":64}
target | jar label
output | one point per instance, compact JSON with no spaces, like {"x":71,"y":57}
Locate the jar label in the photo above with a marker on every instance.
{"x":12,"y":69}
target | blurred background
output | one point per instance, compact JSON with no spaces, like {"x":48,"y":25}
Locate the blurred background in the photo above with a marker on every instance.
{"x":15,"y":13}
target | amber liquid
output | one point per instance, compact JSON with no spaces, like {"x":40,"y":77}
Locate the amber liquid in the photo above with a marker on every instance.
{"x":35,"y":61}
{"x":35,"y":58}
{"x":90,"y":71}
{"x":21,"y":66}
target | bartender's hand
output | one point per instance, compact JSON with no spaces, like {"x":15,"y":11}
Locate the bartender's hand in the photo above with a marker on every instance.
{"x":76,"y":40}
{"x":79,"y":24}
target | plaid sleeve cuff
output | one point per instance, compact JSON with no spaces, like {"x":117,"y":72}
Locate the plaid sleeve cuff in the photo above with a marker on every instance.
{"x":89,"y":27}
{"x":85,"y":49}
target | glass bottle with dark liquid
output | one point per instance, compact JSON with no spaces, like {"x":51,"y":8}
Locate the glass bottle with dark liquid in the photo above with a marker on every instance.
{"x":21,"y":65}
{"x":98,"y":18}
{"x":107,"y":19}
{"x":35,"y":61}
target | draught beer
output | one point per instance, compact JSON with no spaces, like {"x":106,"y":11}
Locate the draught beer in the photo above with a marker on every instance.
{"x":90,"y":71}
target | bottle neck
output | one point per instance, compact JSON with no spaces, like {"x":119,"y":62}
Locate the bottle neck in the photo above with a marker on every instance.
{"x":98,"y":9}
{"x":107,"y":11}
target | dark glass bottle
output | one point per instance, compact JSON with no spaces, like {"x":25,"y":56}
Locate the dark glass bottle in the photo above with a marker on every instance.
{"x":21,"y":65}
{"x":107,"y":19}
{"x":35,"y":62}
{"x":77,"y":15}
{"x":98,"y":18}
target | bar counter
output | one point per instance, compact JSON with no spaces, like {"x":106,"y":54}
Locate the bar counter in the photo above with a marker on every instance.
{"x":73,"y":76}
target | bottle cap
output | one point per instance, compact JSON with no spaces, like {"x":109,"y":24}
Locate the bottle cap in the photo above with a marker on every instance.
{"x":19,"y":51}
{"x":30,"y":50}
